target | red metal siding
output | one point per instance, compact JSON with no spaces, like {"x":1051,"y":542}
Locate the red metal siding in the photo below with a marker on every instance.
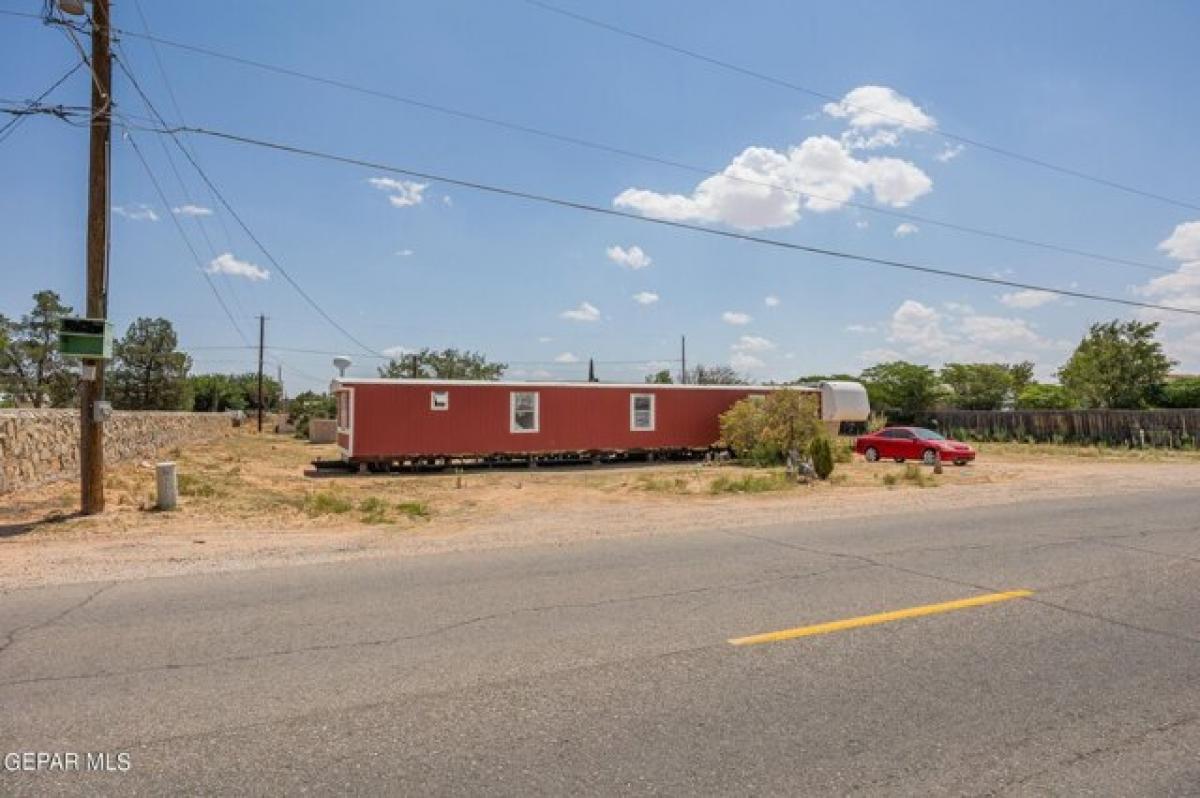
{"x":395,"y":419}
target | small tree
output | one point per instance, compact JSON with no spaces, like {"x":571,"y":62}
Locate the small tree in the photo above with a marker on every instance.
{"x":764,"y":429}
{"x":715,"y":375}
{"x":1116,"y":365}
{"x":662,"y":377}
{"x":308,"y":405}
{"x":907,"y":388}
{"x":1046,"y":397}
{"x":978,"y":386}
{"x":149,"y":373}
{"x":822,"y":456}
{"x":1180,"y":393}
{"x":446,"y":364}
{"x":31,"y":367}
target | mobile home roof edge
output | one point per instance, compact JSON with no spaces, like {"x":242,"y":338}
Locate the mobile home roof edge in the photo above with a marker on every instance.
{"x":518,"y":384}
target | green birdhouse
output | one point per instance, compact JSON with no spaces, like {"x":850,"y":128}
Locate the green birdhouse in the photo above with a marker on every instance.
{"x":90,"y":339}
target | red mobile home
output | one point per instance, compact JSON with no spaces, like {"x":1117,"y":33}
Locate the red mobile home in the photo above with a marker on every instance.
{"x":396,"y":421}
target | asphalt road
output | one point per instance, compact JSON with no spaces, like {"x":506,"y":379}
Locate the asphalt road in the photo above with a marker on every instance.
{"x":605,"y":667}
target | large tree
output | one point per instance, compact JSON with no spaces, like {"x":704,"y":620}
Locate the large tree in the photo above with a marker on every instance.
{"x":902,"y":387}
{"x":31,"y":367}
{"x":445,"y":364}
{"x":149,"y":373}
{"x":1116,"y":365}
{"x":985,"y":386}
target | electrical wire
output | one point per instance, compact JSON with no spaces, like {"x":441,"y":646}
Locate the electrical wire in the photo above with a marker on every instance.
{"x":635,"y":155}
{"x":172,"y":132}
{"x":195,"y":257}
{"x":8,"y":128}
{"x":787,"y":84}
{"x":727,"y":234}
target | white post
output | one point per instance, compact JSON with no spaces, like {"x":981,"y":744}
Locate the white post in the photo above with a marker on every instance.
{"x":168,"y":486}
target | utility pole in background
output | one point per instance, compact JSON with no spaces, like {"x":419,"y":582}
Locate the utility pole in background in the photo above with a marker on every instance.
{"x":683,"y":360}
{"x":262,"y":337}
{"x":91,"y":430}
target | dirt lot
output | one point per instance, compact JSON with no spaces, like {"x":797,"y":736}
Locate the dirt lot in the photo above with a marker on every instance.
{"x":247,"y":504}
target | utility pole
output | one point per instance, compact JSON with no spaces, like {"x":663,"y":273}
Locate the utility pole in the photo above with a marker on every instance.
{"x":683,"y":360}
{"x":262,"y":337}
{"x":91,"y":431}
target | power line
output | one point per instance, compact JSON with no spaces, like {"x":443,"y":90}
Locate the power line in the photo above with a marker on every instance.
{"x":787,"y":84}
{"x":611,"y":212}
{"x":632,"y":154}
{"x":241,"y":223}
{"x":195,"y":257}
{"x":123,"y":64}
{"x":8,"y":128}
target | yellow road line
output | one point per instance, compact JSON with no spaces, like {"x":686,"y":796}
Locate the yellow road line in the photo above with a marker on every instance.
{"x":882,"y":617}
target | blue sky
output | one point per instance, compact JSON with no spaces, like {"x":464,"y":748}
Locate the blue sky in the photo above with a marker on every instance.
{"x":1098,"y":87}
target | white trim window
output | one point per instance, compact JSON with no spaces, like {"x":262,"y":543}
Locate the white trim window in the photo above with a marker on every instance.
{"x":523,"y":411}
{"x":641,"y":412}
{"x":439,"y":400}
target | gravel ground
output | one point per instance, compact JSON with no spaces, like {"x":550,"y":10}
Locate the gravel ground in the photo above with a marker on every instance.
{"x":490,"y":510}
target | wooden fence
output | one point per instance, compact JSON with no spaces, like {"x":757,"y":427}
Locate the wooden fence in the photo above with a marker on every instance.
{"x":1161,"y":428}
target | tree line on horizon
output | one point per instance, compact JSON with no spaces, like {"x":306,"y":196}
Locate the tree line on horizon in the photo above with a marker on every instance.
{"x":1117,"y":364}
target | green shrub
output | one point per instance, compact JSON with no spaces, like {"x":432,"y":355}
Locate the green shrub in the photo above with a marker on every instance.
{"x":374,"y":510}
{"x":751,"y":483}
{"x":822,"y":456}
{"x":192,"y":485}
{"x":413,"y":509}
{"x":326,"y":503}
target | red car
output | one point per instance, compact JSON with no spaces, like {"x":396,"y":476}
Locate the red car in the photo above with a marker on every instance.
{"x":912,"y":443}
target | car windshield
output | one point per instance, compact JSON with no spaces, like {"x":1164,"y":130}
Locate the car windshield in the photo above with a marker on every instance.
{"x":928,"y":435}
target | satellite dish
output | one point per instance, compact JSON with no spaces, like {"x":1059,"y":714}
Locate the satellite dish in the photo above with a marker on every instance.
{"x":341,"y":363}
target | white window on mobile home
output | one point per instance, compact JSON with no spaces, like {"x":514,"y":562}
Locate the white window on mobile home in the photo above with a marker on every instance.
{"x":641,"y":412}
{"x":439,"y":400}
{"x":523,"y":411}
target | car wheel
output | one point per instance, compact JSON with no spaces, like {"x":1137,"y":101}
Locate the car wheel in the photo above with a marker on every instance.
{"x":960,"y":462}
{"x":898,"y":459}
{"x":872,"y":454}
{"x":930,"y":457}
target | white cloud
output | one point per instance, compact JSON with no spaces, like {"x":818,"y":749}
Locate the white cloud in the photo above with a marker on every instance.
{"x":1183,"y":243}
{"x":227,"y":264}
{"x":744,"y":361}
{"x":585,"y":312}
{"x":958,"y":307}
{"x":905,"y":229}
{"x":645,"y":297}
{"x":1180,"y":333}
{"x":401,"y":193}
{"x":566,"y":357}
{"x":862,"y":224}
{"x":752,"y":343}
{"x":192,"y":210}
{"x":923,"y":333}
{"x":544,"y":339}
{"x":137,"y":212}
{"x":448,"y":201}
{"x":951,"y":152}
{"x":397,"y":351}
{"x":763,"y":187}
{"x":1028,"y":298}
{"x":736,"y":317}
{"x":860,"y":328}
{"x":404,"y":253}
{"x":877,"y":115}
{"x":771,"y":301}
{"x":633,"y":258}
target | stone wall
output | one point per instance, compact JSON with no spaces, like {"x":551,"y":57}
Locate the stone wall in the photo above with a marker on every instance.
{"x":38,"y":446}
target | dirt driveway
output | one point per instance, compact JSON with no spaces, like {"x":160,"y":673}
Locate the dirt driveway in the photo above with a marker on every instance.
{"x":247,"y":504}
